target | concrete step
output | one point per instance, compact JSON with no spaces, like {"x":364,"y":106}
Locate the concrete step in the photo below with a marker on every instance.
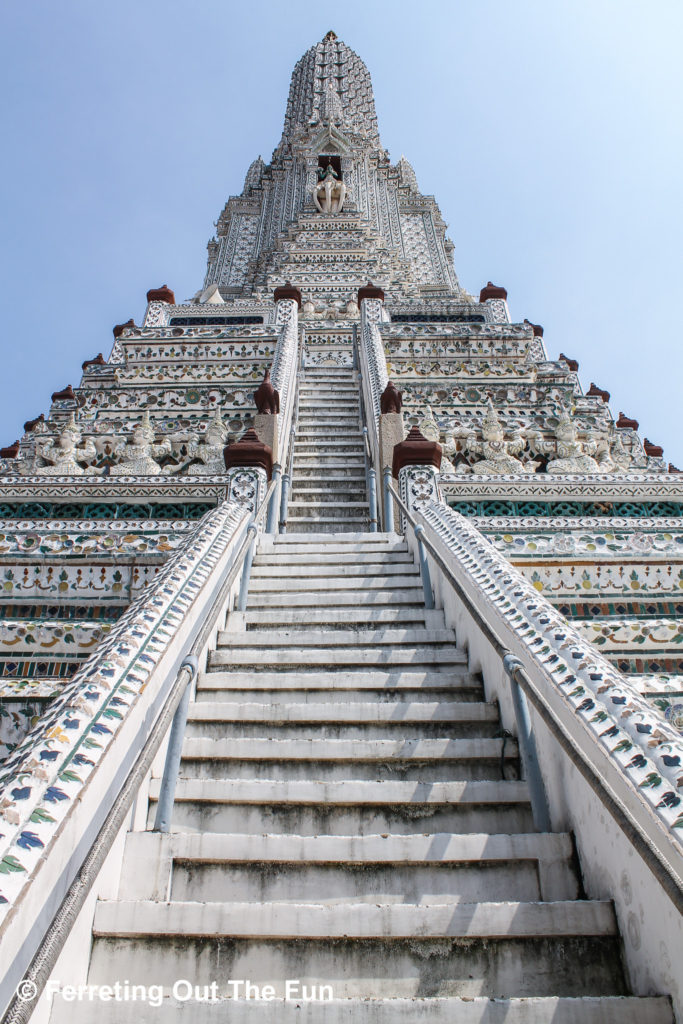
{"x":316,"y":1008}
{"x":307,"y":504}
{"x":354,"y":717}
{"x":328,"y":446}
{"x":321,"y":686}
{"x":326,"y":459}
{"x":331,"y":869}
{"x":353,"y":477}
{"x":314,"y":657}
{"x":306,"y":467}
{"x":321,"y":493}
{"x":313,"y":524}
{"x":361,"y":949}
{"x":326,"y":584}
{"x":329,"y":571}
{"x":413,"y":595}
{"x":326,"y":544}
{"x":322,"y":638}
{"x":317,"y":556}
{"x":343,"y":618}
{"x":480,"y":920}
{"x":308,"y":422}
{"x":348,"y":760}
{"x":360,"y":807}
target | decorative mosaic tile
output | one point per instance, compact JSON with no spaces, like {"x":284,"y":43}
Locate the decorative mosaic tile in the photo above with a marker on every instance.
{"x":41,"y":780}
{"x":648,"y":750}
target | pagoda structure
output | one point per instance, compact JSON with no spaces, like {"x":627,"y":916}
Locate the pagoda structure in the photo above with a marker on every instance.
{"x":440,"y":562}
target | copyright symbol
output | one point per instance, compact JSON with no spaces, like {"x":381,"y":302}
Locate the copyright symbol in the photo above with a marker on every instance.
{"x":26,"y":990}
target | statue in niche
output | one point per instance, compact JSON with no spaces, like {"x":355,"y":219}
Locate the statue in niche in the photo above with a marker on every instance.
{"x":572,"y":455}
{"x":329,"y":192}
{"x":209,"y":449}
{"x":137,"y":456}
{"x":496,"y":454}
{"x":64,"y":456}
{"x":429,"y":428}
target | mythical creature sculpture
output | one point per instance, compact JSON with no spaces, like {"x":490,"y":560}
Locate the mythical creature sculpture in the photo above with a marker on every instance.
{"x":497,"y":455}
{"x":137,"y":456}
{"x":573,"y":456}
{"x":266,"y":397}
{"x":209,"y":448}
{"x":391,"y":399}
{"x":329,"y":192}
{"x":64,"y":456}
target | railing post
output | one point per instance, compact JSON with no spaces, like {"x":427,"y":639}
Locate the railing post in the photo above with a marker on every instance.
{"x":527,"y":747}
{"x":246,"y":572}
{"x":372,"y":478}
{"x":284,"y":500}
{"x":273,"y":506}
{"x":388,"y":502}
{"x":424,"y":568}
{"x":162,"y":819}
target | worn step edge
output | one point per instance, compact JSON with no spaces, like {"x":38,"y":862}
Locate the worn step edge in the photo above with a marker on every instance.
{"x":334,"y":638}
{"x":436,"y":1010}
{"x":488,"y":921}
{"x":253,"y":748}
{"x":370,"y":713}
{"x":389,"y":792}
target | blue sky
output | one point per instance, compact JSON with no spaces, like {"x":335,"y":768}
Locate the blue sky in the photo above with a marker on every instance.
{"x":550,"y":133}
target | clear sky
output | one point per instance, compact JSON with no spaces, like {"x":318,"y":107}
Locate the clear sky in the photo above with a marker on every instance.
{"x":549,"y":131}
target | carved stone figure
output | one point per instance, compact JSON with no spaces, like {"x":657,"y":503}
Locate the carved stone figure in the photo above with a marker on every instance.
{"x":64,"y":456}
{"x":210,"y":448}
{"x":497,"y":455}
{"x":267,"y":399}
{"x":573,"y":456}
{"x":391,"y":399}
{"x":329,"y":192}
{"x":137,"y":456}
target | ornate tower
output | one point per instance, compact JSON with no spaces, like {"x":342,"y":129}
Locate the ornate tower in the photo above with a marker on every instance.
{"x":334,"y":567}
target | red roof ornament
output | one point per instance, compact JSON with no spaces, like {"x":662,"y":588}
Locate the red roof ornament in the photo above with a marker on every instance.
{"x":66,"y":394}
{"x":624,"y":423}
{"x":370,"y":291}
{"x":30,"y":424}
{"x":571,"y":363}
{"x":249,"y":452}
{"x":654,"y":451}
{"x":163,"y":294}
{"x":415,"y":450}
{"x":674,"y":469}
{"x":99,"y":360}
{"x":120,"y":328}
{"x":10,"y":452}
{"x":287,"y":291}
{"x":595,"y":392}
{"x":492,"y":291}
{"x":537,"y":329}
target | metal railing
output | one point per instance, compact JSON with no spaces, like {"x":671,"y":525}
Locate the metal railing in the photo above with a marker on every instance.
{"x":370,"y":471}
{"x":513,"y":667}
{"x":242,"y":560}
{"x":288,"y":462}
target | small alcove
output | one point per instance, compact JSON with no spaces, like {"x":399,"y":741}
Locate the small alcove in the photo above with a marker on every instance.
{"x":333,"y":159}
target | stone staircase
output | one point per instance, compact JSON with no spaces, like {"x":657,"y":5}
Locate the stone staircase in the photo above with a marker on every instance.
{"x":328,"y":469}
{"x":350,"y":815}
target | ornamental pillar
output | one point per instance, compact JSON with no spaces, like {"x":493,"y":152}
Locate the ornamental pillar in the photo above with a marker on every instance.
{"x":249,"y":464}
{"x":416,"y":465}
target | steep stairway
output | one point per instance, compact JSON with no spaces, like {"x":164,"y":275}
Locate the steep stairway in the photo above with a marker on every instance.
{"x":328,"y":469}
{"x":350,"y":815}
